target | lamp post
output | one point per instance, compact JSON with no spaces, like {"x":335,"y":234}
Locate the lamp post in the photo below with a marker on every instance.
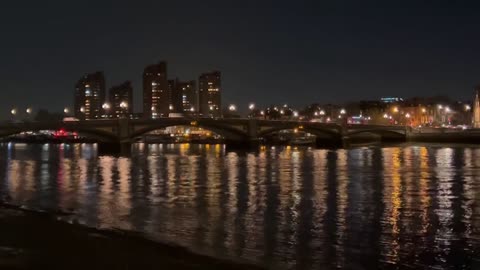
{"x":13,"y":112}
{"x":106,"y":109}
{"x":29,"y":113}
{"x":124,"y":107}
{"x":251,"y":107}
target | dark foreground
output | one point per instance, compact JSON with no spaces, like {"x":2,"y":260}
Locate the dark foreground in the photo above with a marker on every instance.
{"x":33,"y":240}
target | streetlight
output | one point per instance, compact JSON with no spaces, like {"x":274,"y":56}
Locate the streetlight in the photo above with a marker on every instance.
{"x":315,"y":113}
{"x":447,"y":109}
{"x":322,"y":112}
{"x":170,"y":107}
{"x":106,"y":108}
{"x":395,"y":109}
{"x":66,"y":110}
{"x":13,"y":111}
{"x":342,"y":111}
{"x":295,"y":114}
{"x":440,"y":107}
{"x":28,"y":111}
{"x":385,"y":116}
{"x":262,"y":113}
{"x":467,"y":108}
{"x":407,"y":115}
{"x":82,"y":109}
{"x":251,"y":106}
{"x":282,"y":111}
{"x":424,"y":110}
{"x":232,"y":108}
{"x":124,"y":106}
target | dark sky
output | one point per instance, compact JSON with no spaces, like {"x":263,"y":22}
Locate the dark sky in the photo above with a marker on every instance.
{"x":296,"y":52}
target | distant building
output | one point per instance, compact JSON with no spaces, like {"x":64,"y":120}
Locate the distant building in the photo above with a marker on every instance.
{"x":391,"y":99}
{"x":175,"y":104}
{"x":189,"y":96}
{"x":121,"y":99}
{"x":476,"y":109}
{"x":210,"y":89}
{"x":89,"y":96}
{"x":156,"y":94}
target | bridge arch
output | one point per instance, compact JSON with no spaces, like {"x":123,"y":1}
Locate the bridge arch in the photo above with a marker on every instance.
{"x":319,"y":132}
{"x":98,"y":134}
{"x":227,"y":132}
{"x":385,"y":134}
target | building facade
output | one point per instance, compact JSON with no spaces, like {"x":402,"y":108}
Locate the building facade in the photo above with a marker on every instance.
{"x":209,"y":92}
{"x":89,"y":96}
{"x":156,"y":94}
{"x":121,"y":100}
{"x":188,"y":94}
{"x":476,"y":109}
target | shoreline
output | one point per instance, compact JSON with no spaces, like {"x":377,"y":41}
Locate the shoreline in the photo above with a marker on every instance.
{"x":33,"y":238}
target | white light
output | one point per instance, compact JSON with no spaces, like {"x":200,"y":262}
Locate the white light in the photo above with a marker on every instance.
{"x":407,"y":115}
{"x":13,"y":111}
{"x":106,"y":106}
{"x":251,"y":106}
{"x":29,"y":110}
{"x":123,"y":105}
{"x":192,"y":109}
{"x":322,"y":112}
{"x":152,"y":108}
{"x":66,"y":110}
{"x":315,"y":113}
{"x":232,"y":107}
{"x":385,"y":116}
{"x":262,"y":113}
{"x":440,"y":107}
{"x":282,"y":111}
{"x":295,"y":114}
{"x":211,"y":108}
{"x":467,"y":107}
{"x":170,"y":107}
{"x":82,"y":109}
{"x":342,"y":111}
{"x":447,"y":109}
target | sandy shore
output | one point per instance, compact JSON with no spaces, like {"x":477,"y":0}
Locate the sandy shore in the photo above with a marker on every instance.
{"x":35,"y":240}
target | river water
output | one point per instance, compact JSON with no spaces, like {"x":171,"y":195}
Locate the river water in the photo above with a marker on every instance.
{"x":401,"y":207}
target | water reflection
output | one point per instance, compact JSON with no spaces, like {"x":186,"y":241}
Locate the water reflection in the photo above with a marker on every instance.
{"x":362,"y":208}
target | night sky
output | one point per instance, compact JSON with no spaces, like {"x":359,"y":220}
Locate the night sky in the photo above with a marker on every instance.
{"x":295,"y":52}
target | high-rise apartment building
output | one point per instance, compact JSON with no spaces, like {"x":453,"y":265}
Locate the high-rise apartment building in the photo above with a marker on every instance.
{"x":188,"y":94}
{"x":210,"y":99}
{"x":156,"y":94}
{"x":121,"y":99}
{"x":89,"y":96}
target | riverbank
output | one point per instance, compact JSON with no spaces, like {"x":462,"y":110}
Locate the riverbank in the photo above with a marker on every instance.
{"x":38,"y":240}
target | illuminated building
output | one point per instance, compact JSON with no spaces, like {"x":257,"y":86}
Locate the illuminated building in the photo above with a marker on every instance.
{"x":156,"y":96}
{"x":210,"y":99}
{"x":89,"y":96}
{"x":118,"y":95}
{"x":189,"y":96}
{"x":476,"y":109}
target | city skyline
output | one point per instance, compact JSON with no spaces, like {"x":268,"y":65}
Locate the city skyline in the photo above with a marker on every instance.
{"x":335,"y":52}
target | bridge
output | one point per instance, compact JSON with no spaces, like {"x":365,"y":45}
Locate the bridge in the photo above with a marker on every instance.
{"x":235,"y":131}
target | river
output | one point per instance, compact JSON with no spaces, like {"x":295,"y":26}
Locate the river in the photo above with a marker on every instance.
{"x":404,"y":206}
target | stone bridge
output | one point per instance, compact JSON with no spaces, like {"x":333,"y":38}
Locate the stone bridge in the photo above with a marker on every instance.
{"x":235,"y":131}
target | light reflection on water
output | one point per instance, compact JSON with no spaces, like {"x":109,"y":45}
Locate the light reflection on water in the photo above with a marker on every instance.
{"x":362,"y":208}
